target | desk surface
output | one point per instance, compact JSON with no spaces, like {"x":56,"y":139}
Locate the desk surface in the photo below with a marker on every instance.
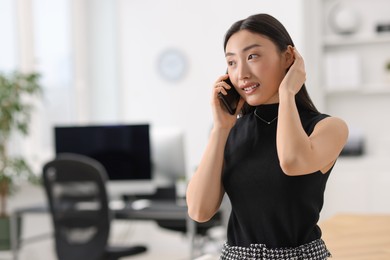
{"x":357,"y":237}
{"x":155,"y":210}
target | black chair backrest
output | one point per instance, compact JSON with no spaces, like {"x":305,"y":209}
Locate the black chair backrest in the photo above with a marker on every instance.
{"x":78,"y":202}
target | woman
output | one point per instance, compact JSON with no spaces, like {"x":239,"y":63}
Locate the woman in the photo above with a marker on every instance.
{"x":273,"y":156}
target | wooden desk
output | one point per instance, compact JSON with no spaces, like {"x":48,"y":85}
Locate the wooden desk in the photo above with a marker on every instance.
{"x":357,"y":237}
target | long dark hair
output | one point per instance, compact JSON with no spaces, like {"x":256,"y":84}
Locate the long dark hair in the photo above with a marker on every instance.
{"x":271,"y":28}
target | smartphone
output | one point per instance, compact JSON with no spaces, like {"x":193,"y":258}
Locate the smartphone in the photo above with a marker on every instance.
{"x":230,"y":100}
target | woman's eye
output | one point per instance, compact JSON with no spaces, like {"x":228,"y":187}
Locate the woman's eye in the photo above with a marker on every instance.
{"x":230,"y":63}
{"x":252,"y":56}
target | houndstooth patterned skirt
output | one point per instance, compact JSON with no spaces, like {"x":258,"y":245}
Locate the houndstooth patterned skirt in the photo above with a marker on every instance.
{"x":315,"y":250}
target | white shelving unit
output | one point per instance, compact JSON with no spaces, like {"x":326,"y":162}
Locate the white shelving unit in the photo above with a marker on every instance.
{"x":352,"y":65}
{"x":351,"y":81}
{"x":355,"y":60}
{"x":337,"y":41}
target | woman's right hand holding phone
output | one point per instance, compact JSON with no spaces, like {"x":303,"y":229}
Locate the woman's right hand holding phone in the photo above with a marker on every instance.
{"x":222,"y":118}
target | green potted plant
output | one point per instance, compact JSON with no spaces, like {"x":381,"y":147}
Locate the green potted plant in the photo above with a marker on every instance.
{"x":15,"y":113}
{"x":387,"y":68}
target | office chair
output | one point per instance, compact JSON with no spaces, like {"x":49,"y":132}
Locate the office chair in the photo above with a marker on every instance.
{"x":78,"y":202}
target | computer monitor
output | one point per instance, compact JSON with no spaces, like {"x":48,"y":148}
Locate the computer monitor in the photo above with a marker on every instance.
{"x":168,"y":155}
{"x":124,"y":151}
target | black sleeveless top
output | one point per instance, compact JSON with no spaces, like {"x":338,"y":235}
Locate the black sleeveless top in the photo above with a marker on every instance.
{"x":269,"y":207}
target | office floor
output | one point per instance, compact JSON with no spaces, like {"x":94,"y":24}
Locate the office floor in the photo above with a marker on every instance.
{"x":162,"y":244}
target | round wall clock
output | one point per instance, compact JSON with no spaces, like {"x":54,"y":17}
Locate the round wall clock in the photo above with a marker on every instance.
{"x":172,"y":64}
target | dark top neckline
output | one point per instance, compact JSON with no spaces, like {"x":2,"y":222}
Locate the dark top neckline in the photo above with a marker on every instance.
{"x":267,"y":112}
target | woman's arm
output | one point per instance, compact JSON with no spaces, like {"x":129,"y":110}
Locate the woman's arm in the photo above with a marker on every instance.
{"x":205,"y":190}
{"x":299,"y":153}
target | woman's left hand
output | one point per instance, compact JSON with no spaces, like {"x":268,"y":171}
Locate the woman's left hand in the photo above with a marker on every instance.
{"x":296,"y":75}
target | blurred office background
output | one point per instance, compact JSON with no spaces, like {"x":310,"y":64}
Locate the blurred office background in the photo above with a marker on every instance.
{"x":133,"y":61}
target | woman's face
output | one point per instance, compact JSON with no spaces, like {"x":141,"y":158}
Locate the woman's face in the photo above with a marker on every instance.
{"x":256,"y":67}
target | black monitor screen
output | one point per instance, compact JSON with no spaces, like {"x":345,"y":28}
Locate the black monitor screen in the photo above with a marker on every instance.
{"x":124,"y":150}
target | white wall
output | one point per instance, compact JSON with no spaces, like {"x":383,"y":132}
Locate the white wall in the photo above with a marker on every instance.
{"x":8,"y":30}
{"x":102,"y":59}
{"x":146,"y":28}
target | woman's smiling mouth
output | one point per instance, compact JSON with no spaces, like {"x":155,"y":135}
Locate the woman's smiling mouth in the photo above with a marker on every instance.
{"x":250,"y":88}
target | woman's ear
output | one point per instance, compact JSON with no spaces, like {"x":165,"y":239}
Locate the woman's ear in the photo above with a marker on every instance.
{"x":289,"y":56}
